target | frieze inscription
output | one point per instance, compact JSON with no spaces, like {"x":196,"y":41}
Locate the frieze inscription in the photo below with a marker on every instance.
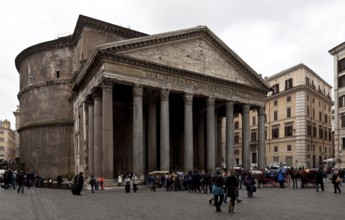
{"x":195,"y":85}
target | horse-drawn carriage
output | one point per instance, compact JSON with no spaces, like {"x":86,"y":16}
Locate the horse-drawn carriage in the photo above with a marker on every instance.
{"x":270,"y":178}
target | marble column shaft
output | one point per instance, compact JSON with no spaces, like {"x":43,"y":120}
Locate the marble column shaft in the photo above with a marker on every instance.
{"x":261,"y":138}
{"x":138,"y":144}
{"x":211,"y":150}
{"x":152,"y":135}
{"x":245,"y":138}
{"x":230,"y":135}
{"x":188,"y":133}
{"x":165,"y":132}
{"x":107,"y":129}
{"x":201,"y":142}
{"x":91,"y":138}
{"x":98,"y":155}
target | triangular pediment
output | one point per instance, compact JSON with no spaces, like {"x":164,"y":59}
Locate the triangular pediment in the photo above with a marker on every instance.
{"x":200,"y":52}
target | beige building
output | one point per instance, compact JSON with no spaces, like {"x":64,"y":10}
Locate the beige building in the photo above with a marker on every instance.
{"x":298,"y":129}
{"x":17,"y":139}
{"x":338,"y":53}
{"x":7,"y":141}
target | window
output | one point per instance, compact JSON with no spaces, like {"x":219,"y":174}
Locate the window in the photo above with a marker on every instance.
{"x":313,"y":113}
{"x":308,"y":110}
{"x":343,"y":144}
{"x":320,"y":150}
{"x":237,"y":152}
{"x":275,"y":116}
{"x":288,"y":112}
{"x":314,"y":131}
{"x":57,"y":74}
{"x":320,"y":132}
{"x":237,"y":138}
{"x":236,"y":125}
{"x":320,"y":116}
{"x":254,"y":120}
{"x":326,"y":118}
{"x":325,"y":134}
{"x":253,"y":136}
{"x":275,"y":132}
{"x":2,"y":132}
{"x":288,"y":130}
{"x":288,"y":99}
{"x":341,"y":65}
{"x":275,"y":149}
{"x":342,"y":118}
{"x":307,"y":97}
{"x":275,"y":88}
{"x":275,"y":102}
{"x":288,"y":84}
{"x":307,"y":81}
{"x":2,"y":139}
{"x":342,"y":101}
{"x":288,"y":148}
{"x":309,"y":130}
{"x":2,"y":148}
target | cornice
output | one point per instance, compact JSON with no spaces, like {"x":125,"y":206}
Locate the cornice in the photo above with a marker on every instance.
{"x":100,"y":56}
{"x":42,"y":84}
{"x":72,"y":40}
{"x":61,"y":123}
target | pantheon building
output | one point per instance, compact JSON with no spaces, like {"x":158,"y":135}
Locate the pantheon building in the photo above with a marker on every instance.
{"x":108,"y":99}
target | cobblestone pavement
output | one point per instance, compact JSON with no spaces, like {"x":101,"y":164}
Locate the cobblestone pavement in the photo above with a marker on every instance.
{"x":267,"y":203}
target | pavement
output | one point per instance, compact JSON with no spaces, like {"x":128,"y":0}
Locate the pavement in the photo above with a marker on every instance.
{"x":114,"y":203}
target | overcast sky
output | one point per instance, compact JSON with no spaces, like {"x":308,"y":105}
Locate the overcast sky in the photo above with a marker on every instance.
{"x":269,"y":35}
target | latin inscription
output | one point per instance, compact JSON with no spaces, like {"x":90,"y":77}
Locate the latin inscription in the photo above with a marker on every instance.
{"x":194,"y":84}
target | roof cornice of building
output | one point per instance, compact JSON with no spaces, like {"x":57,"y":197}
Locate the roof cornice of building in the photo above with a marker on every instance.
{"x":293,"y":68}
{"x":72,"y":40}
{"x":337,"y":48}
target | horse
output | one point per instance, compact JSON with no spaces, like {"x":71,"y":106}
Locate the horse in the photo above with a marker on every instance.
{"x":295,"y":175}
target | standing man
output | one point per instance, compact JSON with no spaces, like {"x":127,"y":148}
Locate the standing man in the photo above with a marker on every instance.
{"x":20,"y":181}
{"x":319,"y":180}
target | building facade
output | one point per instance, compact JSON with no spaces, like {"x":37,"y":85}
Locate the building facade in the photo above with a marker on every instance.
{"x":7,"y":141}
{"x":338,"y":54}
{"x":298,"y":125}
{"x":118,"y":100}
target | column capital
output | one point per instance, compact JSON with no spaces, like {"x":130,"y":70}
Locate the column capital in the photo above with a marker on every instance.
{"x":137,"y":90}
{"x":188,"y":99}
{"x":96,"y":92}
{"x":245,"y":108}
{"x":164,"y":95}
{"x":210,"y":101}
{"x":107,"y":84}
{"x":229,"y":105}
{"x":261,"y":110}
{"x":89,"y":99}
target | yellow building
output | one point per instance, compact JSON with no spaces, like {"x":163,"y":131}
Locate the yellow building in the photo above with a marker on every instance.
{"x":7,"y":141}
{"x":298,"y":129}
{"x":338,"y":53}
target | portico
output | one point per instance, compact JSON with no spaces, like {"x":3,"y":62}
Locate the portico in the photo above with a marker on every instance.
{"x":153,"y":103}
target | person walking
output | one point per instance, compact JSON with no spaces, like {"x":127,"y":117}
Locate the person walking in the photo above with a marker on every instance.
{"x":319,"y":180}
{"x":78,"y":184}
{"x":231,"y":184}
{"x":135,"y":181}
{"x":218,"y":189}
{"x":249,"y":183}
{"x":59,"y":181}
{"x":93,"y":184}
{"x":20,"y":181}
{"x":127,"y":184}
{"x":336,"y":181}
